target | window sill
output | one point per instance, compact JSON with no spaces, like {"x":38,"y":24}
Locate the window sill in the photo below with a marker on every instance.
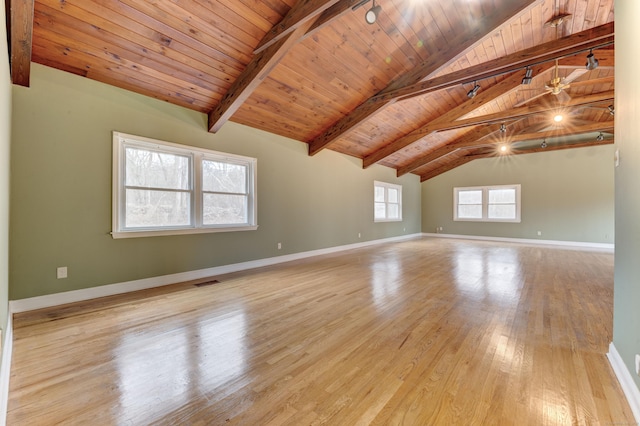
{"x":488,"y":220}
{"x":161,"y":233}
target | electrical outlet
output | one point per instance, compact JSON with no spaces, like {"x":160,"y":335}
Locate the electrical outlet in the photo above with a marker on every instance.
{"x":279,"y":246}
{"x":638,"y":364}
{"x":539,"y":233}
{"x":61,"y":272}
{"x":359,"y":235}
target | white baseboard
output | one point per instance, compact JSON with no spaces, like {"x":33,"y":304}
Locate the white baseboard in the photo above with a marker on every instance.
{"x":569,"y":244}
{"x":626,"y":380}
{"x":5,"y":369}
{"x":49,"y":300}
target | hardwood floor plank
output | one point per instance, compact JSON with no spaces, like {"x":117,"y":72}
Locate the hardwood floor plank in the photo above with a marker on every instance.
{"x":426,"y":331}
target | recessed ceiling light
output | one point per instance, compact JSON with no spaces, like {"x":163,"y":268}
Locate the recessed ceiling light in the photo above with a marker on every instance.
{"x":558,"y":118}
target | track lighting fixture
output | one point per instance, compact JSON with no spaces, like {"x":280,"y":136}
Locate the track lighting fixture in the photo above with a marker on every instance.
{"x":528,"y":76}
{"x":372,"y":14}
{"x":473,"y":92}
{"x":600,"y":137}
{"x":503,"y":128}
{"x":543,"y":144}
{"x":592,"y":62}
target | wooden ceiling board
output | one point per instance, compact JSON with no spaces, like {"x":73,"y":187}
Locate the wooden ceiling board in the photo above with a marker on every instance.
{"x":192,"y":53}
{"x":121,"y":51}
{"x":143,"y":42}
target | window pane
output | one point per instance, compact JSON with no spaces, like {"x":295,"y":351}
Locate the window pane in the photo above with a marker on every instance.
{"x":394,"y":212}
{"x":224,"y":177}
{"x":380,"y":211}
{"x":156,"y":169}
{"x":469,"y":211}
{"x":470,"y":197}
{"x":502,"y":211}
{"x":222,"y":209}
{"x":393,"y":195}
{"x":146,"y":208}
{"x":379,"y":194}
{"x":502,"y":196}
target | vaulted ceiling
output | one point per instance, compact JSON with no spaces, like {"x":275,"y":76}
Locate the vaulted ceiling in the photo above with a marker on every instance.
{"x":393,"y":92}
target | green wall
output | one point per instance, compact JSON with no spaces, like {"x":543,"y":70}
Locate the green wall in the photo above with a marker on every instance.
{"x":61,"y":190}
{"x":5,"y":137}
{"x":626,"y":312}
{"x":567,"y":195}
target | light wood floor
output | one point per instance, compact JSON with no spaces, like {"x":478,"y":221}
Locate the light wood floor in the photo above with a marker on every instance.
{"x":423,"y":332}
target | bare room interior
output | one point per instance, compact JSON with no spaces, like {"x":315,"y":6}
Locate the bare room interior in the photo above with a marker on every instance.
{"x":305,"y":212}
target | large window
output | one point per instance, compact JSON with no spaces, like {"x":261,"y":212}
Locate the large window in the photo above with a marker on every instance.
{"x":160,"y":188}
{"x":387,"y":202}
{"x":487,"y":203}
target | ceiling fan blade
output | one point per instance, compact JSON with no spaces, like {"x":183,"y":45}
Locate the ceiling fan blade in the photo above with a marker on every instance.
{"x":563,"y":96}
{"x":533,"y":98}
{"x":575,"y":74}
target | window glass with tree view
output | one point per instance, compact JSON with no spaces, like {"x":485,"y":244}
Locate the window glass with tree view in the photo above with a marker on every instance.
{"x":161,"y":188}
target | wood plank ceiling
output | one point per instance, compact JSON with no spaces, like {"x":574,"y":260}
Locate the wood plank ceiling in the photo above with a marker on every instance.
{"x":393,"y":92}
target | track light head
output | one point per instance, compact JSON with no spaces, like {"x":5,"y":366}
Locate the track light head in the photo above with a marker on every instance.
{"x":543,"y":144}
{"x":503,"y":128}
{"x":600,"y":137}
{"x":528,"y":76}
{"x":473,"y":92}
{"x":372,"y":14}
{"x":592,"y":62}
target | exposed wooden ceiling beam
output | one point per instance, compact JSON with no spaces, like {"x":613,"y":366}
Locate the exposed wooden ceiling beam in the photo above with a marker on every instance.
{"x":485,"y":154}
{"x":289,"y":31}
{"x":453,"y":164}
{"x":523,"y":111}
{"x":20,"y":33}
{"x":302,"y":12}
{"x":449,"y":53}
{"x":507,"y":115}
{"x":561,"y":147}
{"x":485,"y":96}
{"x":467,"y":142}
{"x":474,"y":138}
{"x":566,"y":46}
{"x":606,"y":59}
{"x":334,"y":12}
{"x":600,"y":126}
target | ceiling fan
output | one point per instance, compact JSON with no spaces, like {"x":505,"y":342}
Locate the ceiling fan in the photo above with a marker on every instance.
{"x":556,"y":85}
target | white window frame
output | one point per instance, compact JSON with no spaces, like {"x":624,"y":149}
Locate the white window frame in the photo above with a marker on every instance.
{"x":485,"y":203}
{"x":122,"y":140}
{"x":386,"y":187}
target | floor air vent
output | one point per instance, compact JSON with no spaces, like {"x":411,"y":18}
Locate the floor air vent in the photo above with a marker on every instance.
{"x":206,"y":283}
